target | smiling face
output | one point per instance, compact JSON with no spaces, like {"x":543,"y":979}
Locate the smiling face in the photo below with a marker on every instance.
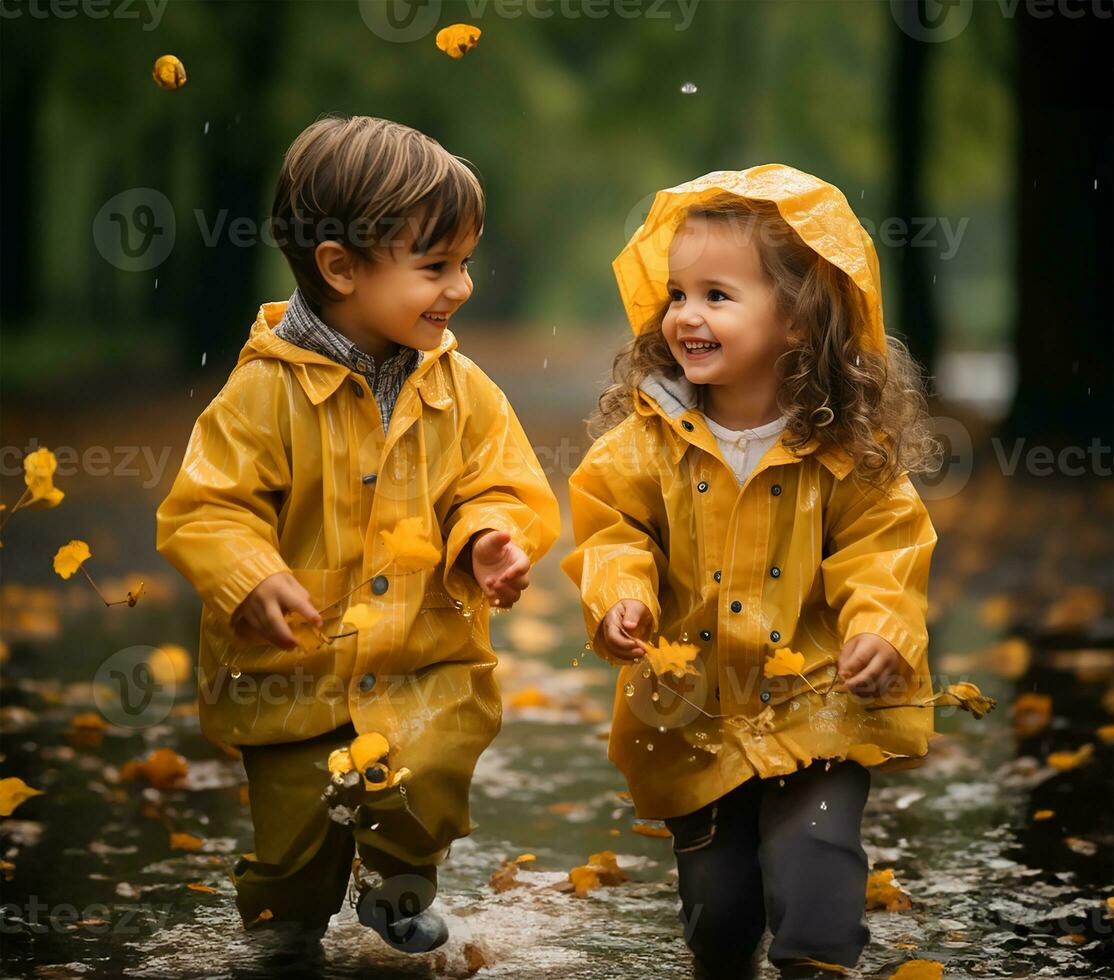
{"x":721,"y":325}
{"x":401,"y":297}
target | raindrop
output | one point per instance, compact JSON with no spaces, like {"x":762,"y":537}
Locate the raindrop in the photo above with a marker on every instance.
{"x":204,"y":354}
{"x":554,"y":330}
{"x":661,"y":728}
{"x":689,"y":88}
{"x":646,"y":672}
{"x":701,"y":736}
{"x":545,"y":363}
{"x":823,"y":804}
{"x":235,"y":672}
{"x":206,"y":129}
{"x":1096,"y":186}
{"x":628,"y":690}
{"x":684,"y":637}
{"x":781,"y":782}
{"x":692,"y":758}
{"x":588,"y":645}
{"x":655,"y":696}
{"x":827,"y":765}
{"x":575,"y":662}
{"x":156,"y":284}
{"x":794,"y":706}
{"x":457,"y":604}
{"x":649,"y":746}
{"x":934,"y":279}
{"x":862,"y":193}
{"x":191,"y":393}
{"x":374,"y":826}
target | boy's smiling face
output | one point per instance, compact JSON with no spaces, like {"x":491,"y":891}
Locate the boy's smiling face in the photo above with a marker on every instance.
{"x":721,"y":325}
{"x":401,"y":297}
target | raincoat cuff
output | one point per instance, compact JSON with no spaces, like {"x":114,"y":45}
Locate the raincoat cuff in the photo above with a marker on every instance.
{"x":604,"y":597}
{"x":462,"y":585}
{"x":236,"y":585}
{"x":912,"y":646}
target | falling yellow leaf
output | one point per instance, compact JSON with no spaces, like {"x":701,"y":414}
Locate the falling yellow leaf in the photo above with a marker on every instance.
{"x":784,"y":663}
{"x":1031,"y":713}
{"x":38,"y":474}
{"x":671,"y":658}
{"x":185,"y":842}
{"x":458,"y":39}
{"x":883,"y":893}
{"x":967,"y":696}
{"x":170,"y":664}
{"x":70,"y":558}
{"x":408,"y":548}
{"x":919,"y":970}
{"x":361,"y":616}
{"x":13,"y":792}
{"x":1065,"y":761}
{"x":169,"y":73}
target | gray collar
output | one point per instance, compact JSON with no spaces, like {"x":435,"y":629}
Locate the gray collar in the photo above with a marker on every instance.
{"x":675,"y":396}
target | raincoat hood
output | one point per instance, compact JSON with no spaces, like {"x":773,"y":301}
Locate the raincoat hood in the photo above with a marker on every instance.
{"x":318,"y":375}
{"x":816,"y":210}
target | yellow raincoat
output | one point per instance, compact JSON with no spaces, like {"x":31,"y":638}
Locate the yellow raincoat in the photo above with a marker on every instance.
{"x":801,"y":557}
{"x":289,"y":469}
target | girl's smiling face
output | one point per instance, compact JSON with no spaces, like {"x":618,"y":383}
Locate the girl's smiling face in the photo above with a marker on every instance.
{"x":721,"y":324}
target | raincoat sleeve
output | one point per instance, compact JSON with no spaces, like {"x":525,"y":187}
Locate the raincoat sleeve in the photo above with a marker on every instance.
{"x":219,"y":524}
{"x":878,"y":548}
{"x":502,"y":486}
{"x":618,"y":552}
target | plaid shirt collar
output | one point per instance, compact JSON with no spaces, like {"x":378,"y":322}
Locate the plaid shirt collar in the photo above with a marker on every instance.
{"x":304,"y":328}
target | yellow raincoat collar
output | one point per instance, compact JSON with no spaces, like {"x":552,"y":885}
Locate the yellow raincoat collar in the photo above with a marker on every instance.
{"x":320,"y":376}
{"x":816,"y":210}
{"x":676,"y":401}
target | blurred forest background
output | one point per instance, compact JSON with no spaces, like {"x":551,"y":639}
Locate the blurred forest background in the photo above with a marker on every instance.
{"x":979,"y":158}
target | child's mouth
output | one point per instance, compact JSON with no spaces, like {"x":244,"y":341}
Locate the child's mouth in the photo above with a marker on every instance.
{"x":699,"y":351}
{"x":438,"y":320}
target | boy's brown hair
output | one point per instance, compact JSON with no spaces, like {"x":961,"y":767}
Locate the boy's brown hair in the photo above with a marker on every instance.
{"x":368,"y":183}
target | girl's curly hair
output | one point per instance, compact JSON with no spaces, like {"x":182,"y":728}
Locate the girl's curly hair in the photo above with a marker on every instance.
{"x":847,"y":396}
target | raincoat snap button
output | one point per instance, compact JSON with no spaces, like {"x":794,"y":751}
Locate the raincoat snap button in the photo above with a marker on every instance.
{"x":687,"y":425}
{"x":717,"y":575}
{"x":357,"y":389}
{"x":775,"y":636}
{"x":775,"y":572}
{"x":776,"y":489}
{"x":705,"y":634}
{"x":379,"y":584}
{"x":765,"y":695}
{"x":702,"y":486}
{"x":370,"y":478}
{"x":367,"y":682}
{"x":736,"y":606}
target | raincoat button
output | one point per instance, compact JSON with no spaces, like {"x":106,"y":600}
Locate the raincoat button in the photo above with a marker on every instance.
{"x":775,"y":636}
{"x":765,"y":695}
{"x":775,"y":572}
{"x":776,"y":489}
{"x":357,"y":388}
{"x":687,"y":425}
{"x":736,"y":606}
{"x":370,"y":478}
{"x":379,"y":584}
{"x":367,"y":682}
{"x":705,"y":634}
{"x":702,"y":486}
{"x":717,"y":575}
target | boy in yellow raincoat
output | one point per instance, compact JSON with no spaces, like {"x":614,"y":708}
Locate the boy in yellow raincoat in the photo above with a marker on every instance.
{"x":748,"y":502}
{"x":350,"y":437}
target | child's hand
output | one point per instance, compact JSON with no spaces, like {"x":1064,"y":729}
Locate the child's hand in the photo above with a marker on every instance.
{"x":619,"y":632}
{"x":868,"y":664}
{"x":263,"y":610}
{"x":500,"y":567}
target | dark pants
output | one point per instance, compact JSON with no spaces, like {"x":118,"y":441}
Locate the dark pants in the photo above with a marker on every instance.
{"x":787,"y":856}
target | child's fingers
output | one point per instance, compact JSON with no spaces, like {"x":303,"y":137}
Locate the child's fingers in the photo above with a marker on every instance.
{"x":276,"y":625}
{"x":306,"y":608}
{"x":866,"y":681}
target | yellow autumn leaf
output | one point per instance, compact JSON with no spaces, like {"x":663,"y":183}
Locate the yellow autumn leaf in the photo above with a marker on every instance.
{"x":361,"y":616}
{"x":340,"y":761}
{"x":601,"y":870}
{"x":671,"y":658}
{"x":169,"y":73}
{"x":784,"y":663}
{"x":198,"y":887}
{"x":650,"y":830}
{"x":408,"y":548}
{"x":306,"y":635}
{"x":883,"y":893}
{"x":919,"y":970}
{"x":821,"y":965}
{"x":70,"y":557}
{"x":13,"y":792}
{"x":38,"y":474}
{"x":1106,"y":733}
{"x":1044,"y":814}
{"x":967,"y":696}
{"x":185,"y":842}
{"x":1031,"y":713}
{"x":458,"y":39}
{"x":163,"y":769}
{"x":1065,"y":761}
{"x":170,"y":664}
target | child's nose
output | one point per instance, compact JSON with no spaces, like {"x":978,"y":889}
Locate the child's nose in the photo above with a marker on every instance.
{"x":460,"y":288}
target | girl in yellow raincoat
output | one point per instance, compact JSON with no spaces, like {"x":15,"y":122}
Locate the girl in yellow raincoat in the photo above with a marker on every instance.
{"x":355,"y":458}
{"x":748,"y":503}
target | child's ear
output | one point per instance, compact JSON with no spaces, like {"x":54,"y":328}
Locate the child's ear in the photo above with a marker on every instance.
{"x":337,"y":267}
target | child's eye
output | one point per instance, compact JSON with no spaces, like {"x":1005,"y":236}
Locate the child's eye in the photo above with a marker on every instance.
{"x":675,"y":295}
{"x":715,"y":295}
{"x":436,"y":267}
